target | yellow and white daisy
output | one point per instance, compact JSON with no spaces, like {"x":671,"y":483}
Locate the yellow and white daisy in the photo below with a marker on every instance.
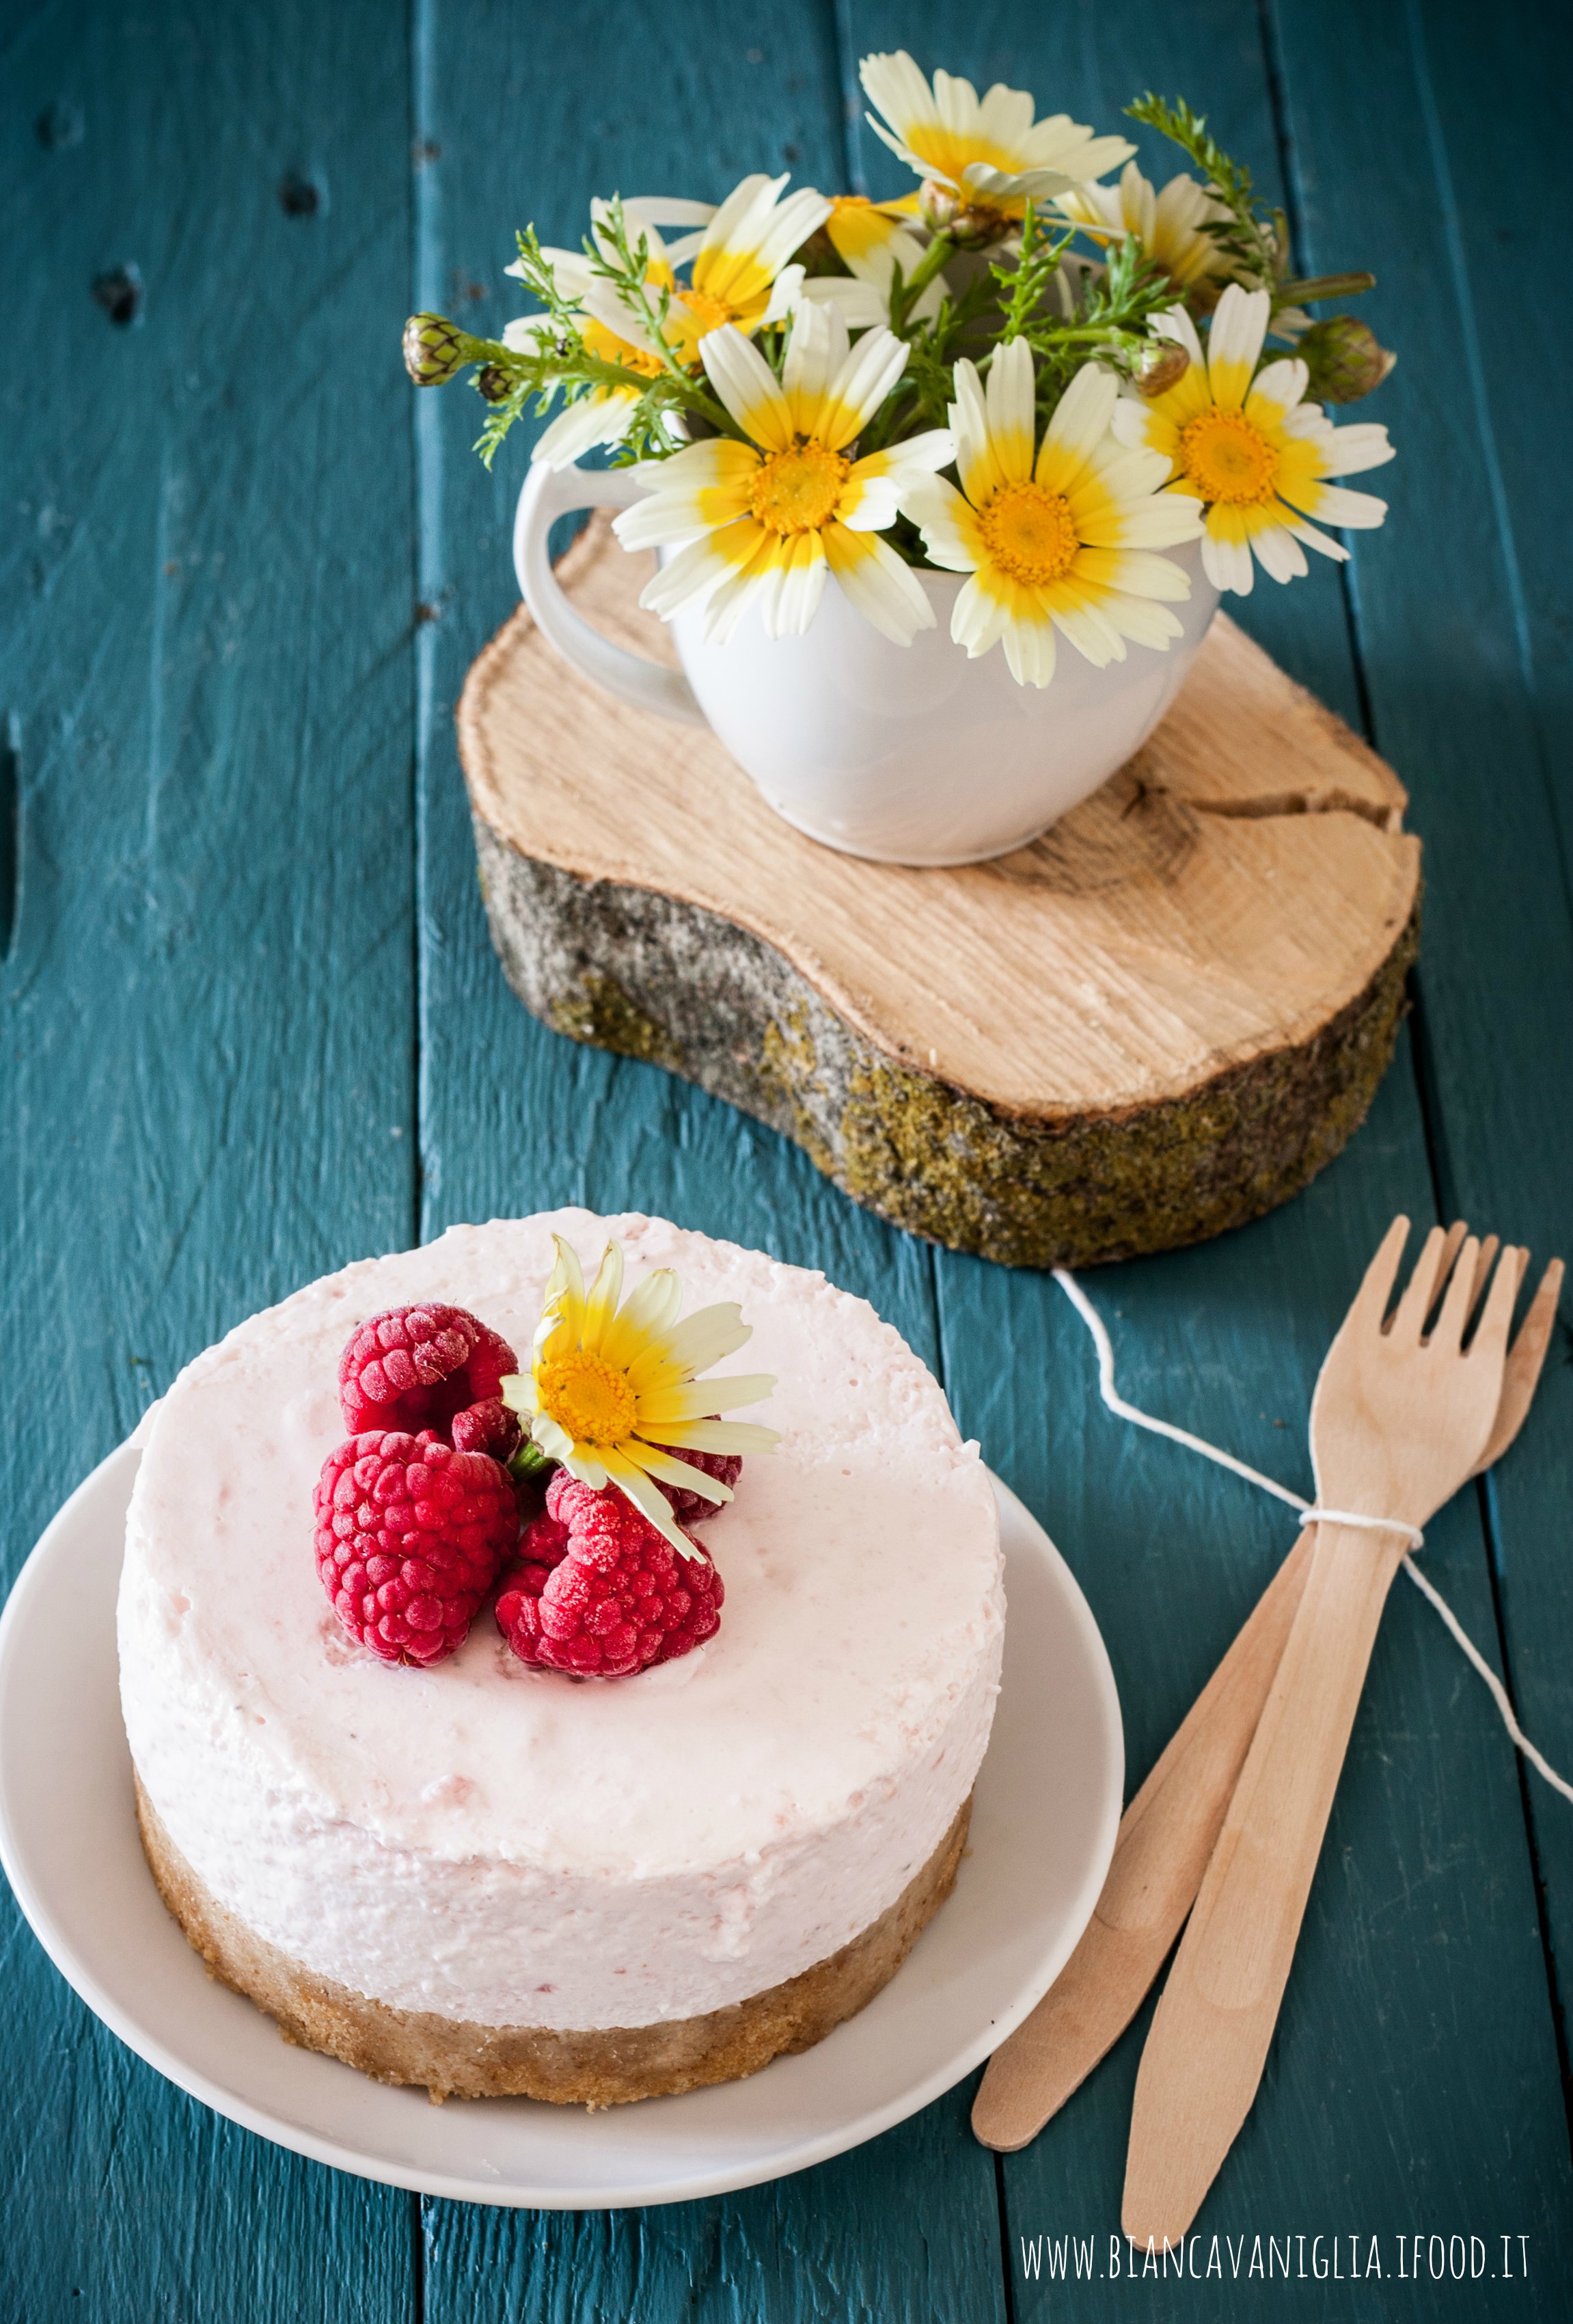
{"x":602,"y":415}
{"x":873,"y":239}
{"x":988,"y":151}
{"x":738,"y":273}
{"x":1170,"y":226}
{"x":610,"y":1389}
{"x":738,"y":269}
{"x":1065,"y":541}
{"x":1252,"y":449}
{"x":759,"y":523}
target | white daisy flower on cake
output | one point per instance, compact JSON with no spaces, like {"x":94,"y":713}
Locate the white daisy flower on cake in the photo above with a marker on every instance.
{"x":1170,"y":225}
{"x":614,"y":1394}
{"x":988,"y":151}
{"x":1246,"y":443}
{"x":1063,"y":542}
{"x":760,"y":522}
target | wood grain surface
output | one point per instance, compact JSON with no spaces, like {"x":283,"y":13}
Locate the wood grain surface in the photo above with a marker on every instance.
{"x":1240,"y":883}
{"x":254,"y":1028}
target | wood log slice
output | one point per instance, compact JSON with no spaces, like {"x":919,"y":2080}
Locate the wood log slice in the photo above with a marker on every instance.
{"x":1154,"y":1023}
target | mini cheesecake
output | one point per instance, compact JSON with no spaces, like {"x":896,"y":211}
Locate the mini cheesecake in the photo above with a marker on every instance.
{"x":493,"y":1880}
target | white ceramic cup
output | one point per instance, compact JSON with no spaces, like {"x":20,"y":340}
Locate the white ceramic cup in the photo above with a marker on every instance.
{"x":905,"y":754}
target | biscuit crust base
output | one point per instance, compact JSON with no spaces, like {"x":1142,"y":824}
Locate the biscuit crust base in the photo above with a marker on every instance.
{"x":454,"y":2058}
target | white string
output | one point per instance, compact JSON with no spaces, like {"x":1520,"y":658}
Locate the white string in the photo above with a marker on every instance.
{"x":1319,"y":1515}
{"x":1309,"y":1514}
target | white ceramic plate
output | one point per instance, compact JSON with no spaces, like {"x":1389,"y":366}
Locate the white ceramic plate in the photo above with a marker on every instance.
{"x":1043,"y":1825}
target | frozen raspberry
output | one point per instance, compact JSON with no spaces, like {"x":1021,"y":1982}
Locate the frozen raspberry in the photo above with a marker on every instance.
{"x":691,"y":1508}
{"x":409,"y":1534}
{"x":414,"y":1368}
{"x":600,"y":1592}
{"x":487,"y":1427}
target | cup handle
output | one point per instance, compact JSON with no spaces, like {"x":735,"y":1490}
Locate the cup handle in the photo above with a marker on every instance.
{"x":549,"y":493}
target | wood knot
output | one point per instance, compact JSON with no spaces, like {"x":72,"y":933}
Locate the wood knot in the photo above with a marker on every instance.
{"x":120,"y":294}
{"x":1128,"y":830}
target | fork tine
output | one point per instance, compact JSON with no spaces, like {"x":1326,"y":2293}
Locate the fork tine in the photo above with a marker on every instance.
{"x":1525,"y":1359}
{"x":1490,"y":1339}
{"x":1408,"y":1317}
{"x":1452,"y":1247}
{"x":1483,"y":1266}
{"x":1448,"y":1329}
{"x":1370,"y":1302}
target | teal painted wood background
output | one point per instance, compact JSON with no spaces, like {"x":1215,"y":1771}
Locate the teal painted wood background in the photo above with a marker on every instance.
{"x":253,"y":1029}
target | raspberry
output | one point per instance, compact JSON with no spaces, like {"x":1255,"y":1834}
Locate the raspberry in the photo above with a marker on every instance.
{"x":691,"y":1508}
{"x":414,"y":1368}
{"x":600,"y":1592}
{"x":409,"y":1534}
{"x":487,"y":1427}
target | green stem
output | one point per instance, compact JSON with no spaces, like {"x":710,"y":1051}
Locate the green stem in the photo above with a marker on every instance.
{"x":933,"y":260}
{"x":1297,"y":289}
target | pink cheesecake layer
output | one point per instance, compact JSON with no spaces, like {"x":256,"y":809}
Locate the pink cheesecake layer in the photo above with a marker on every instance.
{"x":519,"y":1846}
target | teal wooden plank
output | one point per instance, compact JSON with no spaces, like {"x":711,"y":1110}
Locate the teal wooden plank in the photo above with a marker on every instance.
{"x":514,"y":1117}
{"x":208,"y":1013}
{"x":1468,"y":682}
{"x":1415,"y":2065}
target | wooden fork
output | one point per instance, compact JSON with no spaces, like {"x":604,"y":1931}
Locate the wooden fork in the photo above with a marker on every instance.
{"x":1168,"y":1831}
{"x":1400,"y":1419}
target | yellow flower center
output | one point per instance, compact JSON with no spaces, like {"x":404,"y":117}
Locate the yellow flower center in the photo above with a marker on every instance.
{"x":797,"y":491}
{"x":1029,"y":533}
{"x":1228,"y":459}
{"x":708,"y":311}
{"x":588,"y":1398}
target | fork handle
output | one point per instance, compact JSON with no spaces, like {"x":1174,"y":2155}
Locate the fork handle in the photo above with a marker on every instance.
{"x":1209,"y":2036}
{"x":1166,"y":1836}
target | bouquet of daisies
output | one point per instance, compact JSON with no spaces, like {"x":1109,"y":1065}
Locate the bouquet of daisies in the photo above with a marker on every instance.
{"x":1021,"y":372}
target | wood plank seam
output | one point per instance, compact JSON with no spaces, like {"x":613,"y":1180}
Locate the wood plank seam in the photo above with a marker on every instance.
{"x":1444,"y":1193}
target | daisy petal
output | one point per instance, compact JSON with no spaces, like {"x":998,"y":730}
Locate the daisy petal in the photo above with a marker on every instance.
{"x":741,"y":1436}
{"x":1278,"y":553}
{"x":601,"y":1302}
{"x":873,"y":578}
{"x":704,"y":567}
{"x":1239,"y":326}
{"x":1227,"y":563}
{"x":1362,"y":445}
{"x":946,"y":521}
{"x":1317,"y":540}
{"x":866,"y":377}
{"x":1081,"y":421}
{"x":705,"y":1399}
{"x":1333,"y":504}
{"x":747,"y":387}
{"x":976,"y":462}
{"x":628,"y":1474}
{"x":699,"y":1340}
{"x":656,"y":1461}
{"x":1012,"y":418}
{"x":651,"y":1307}
{"x":599,"y":418}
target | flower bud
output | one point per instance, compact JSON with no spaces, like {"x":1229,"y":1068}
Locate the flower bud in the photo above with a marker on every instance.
{"x":1344,"y":359}
{"x":937,"y":205}
{"x":494,"y":384}
{"x":433,"y":349}
{"x":1163,"y":365}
